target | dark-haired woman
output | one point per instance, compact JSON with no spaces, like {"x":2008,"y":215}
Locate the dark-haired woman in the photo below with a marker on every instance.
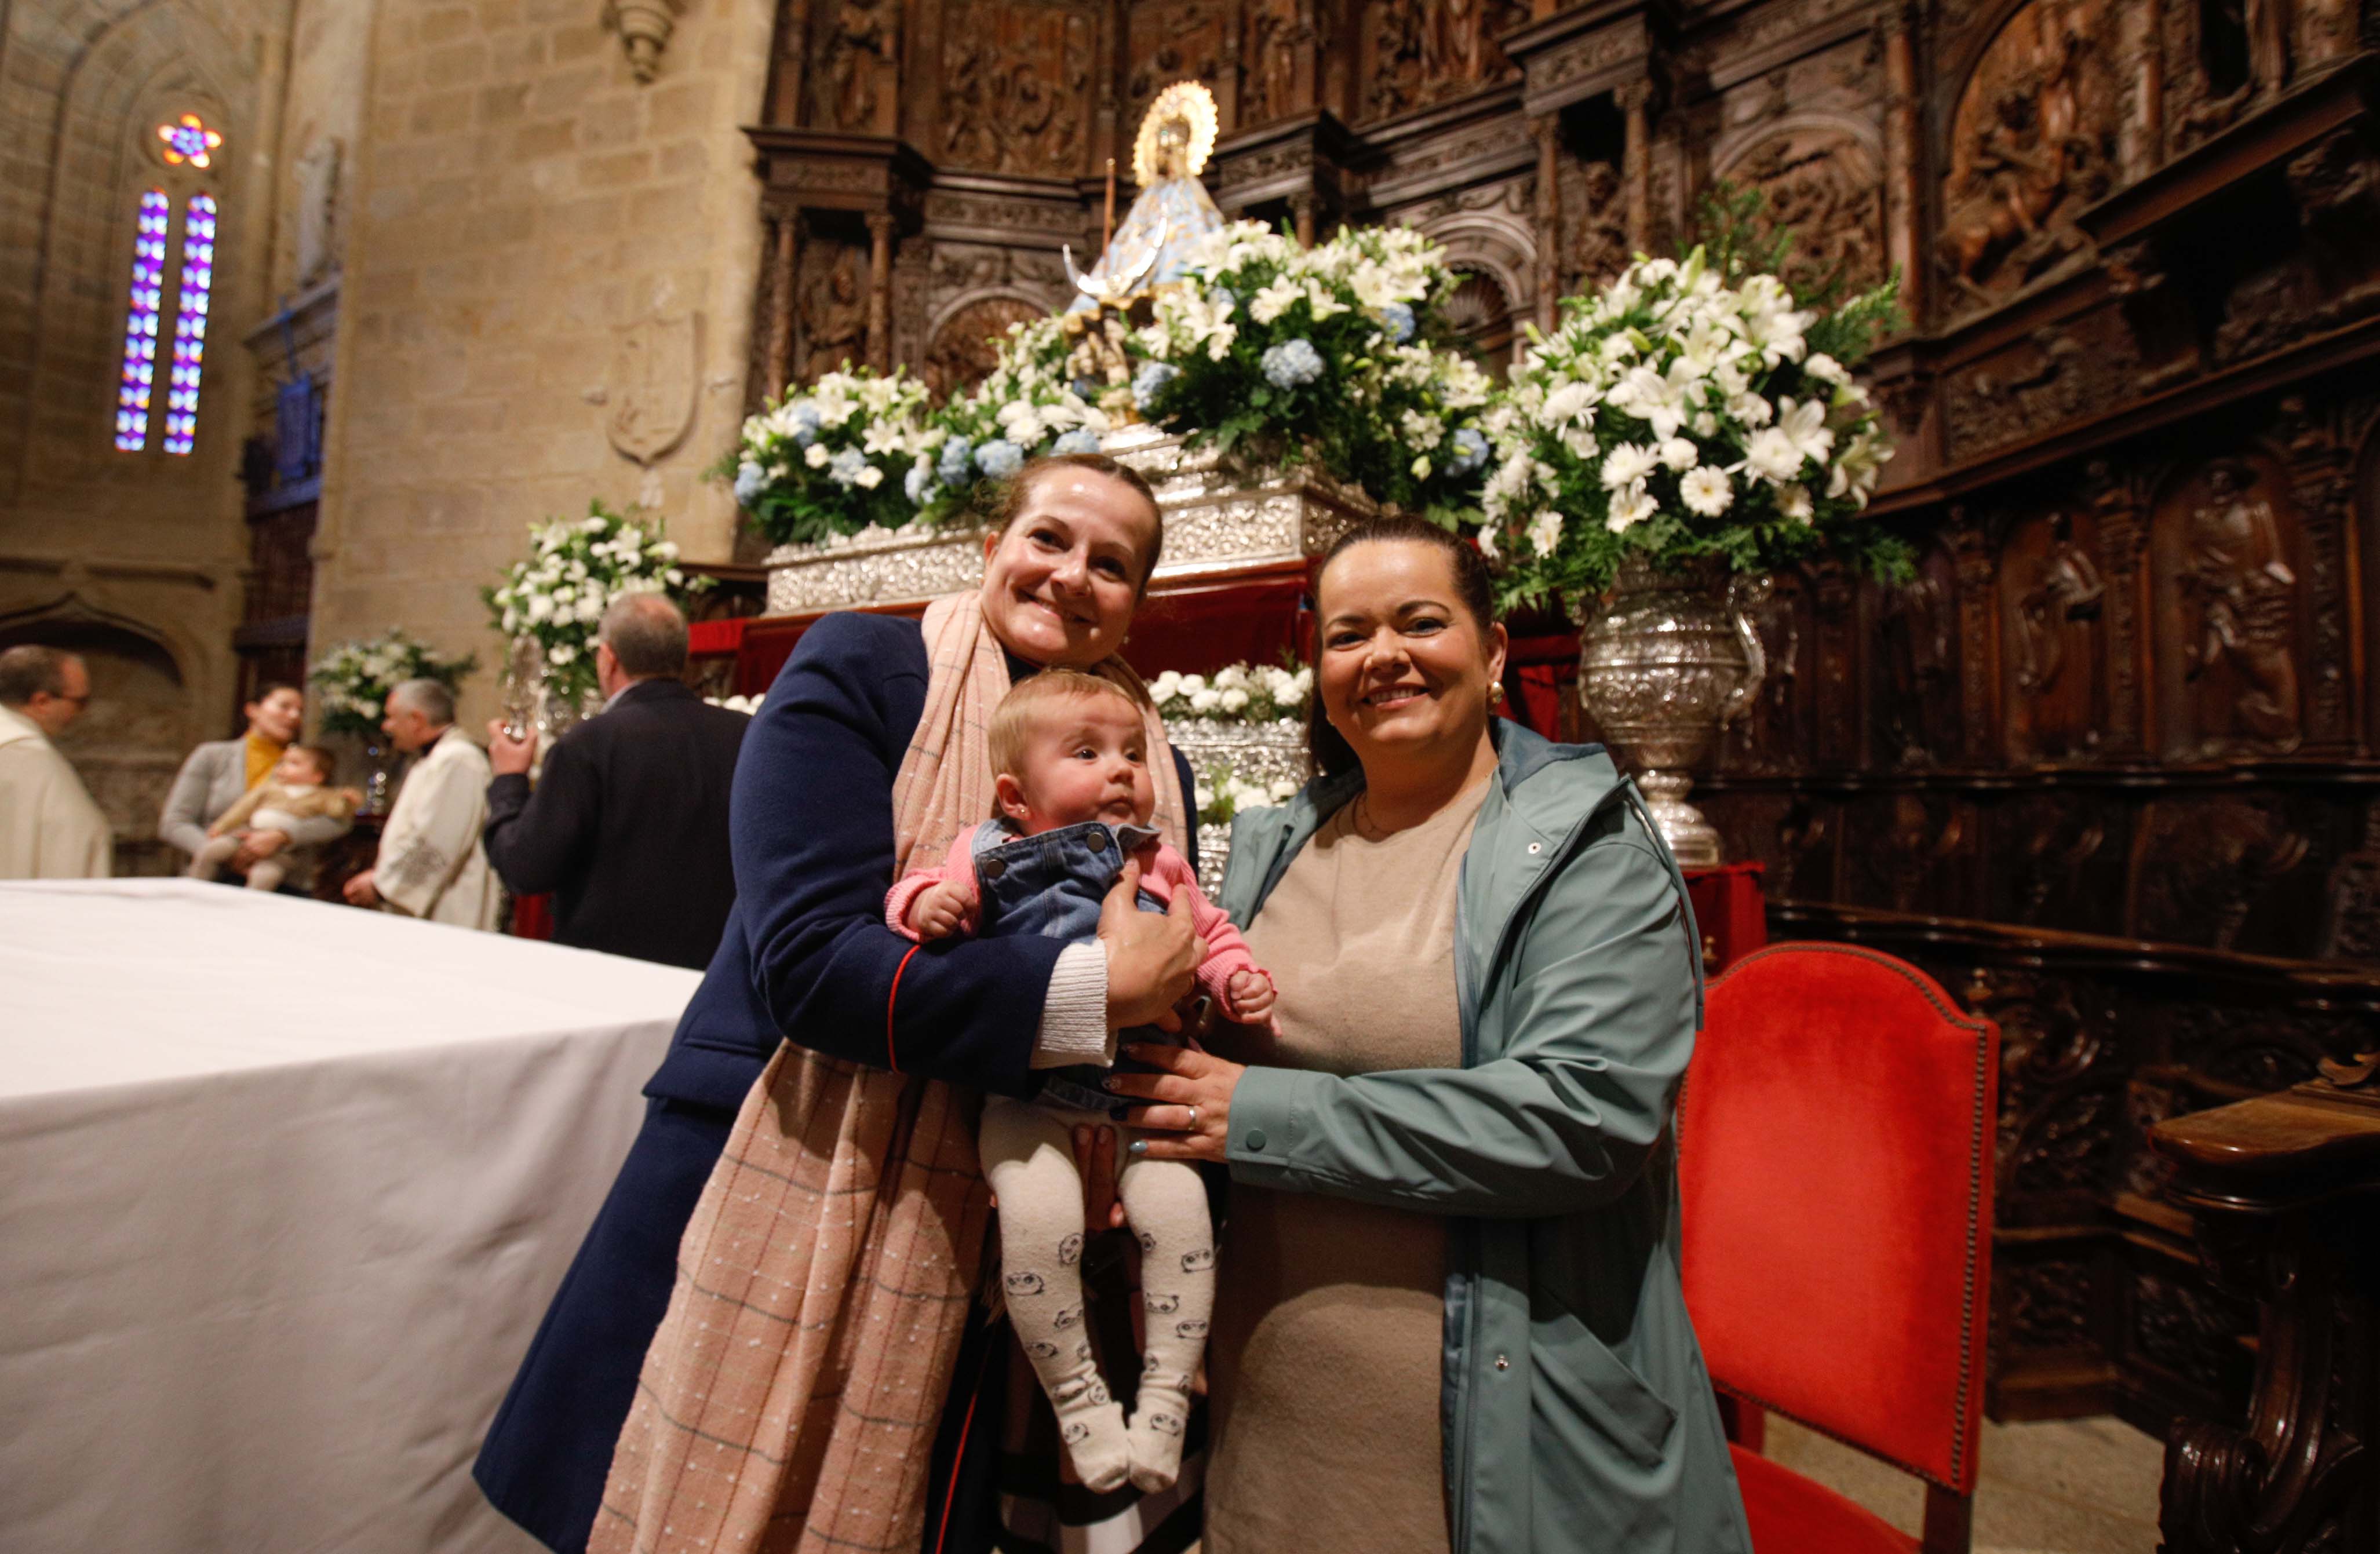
{"x":1450,"y":1316}
{"x":806,"y":957}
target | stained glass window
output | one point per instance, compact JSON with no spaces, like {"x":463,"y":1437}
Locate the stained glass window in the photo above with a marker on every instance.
{"x":190,"y":323}
{"x":188,"y":142}
{"x":141,"y":322}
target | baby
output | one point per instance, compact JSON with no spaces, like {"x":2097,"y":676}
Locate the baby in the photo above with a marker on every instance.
{"x":1075,"y":795}
{"x":296,"y":792}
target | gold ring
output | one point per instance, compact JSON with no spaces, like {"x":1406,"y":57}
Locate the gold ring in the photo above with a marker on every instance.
{"x":1193,"y":1121}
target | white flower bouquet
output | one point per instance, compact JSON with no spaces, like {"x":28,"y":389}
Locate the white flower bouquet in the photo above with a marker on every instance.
{"x":835,"y":458}
{"x":353,"y":679}
{"x":1031,"y":405}
{"x":1226,"y":793}
{"x":1238,"y":693}
{"x":575,"y":568}
{"x":1685,"y":413}
{"x":1324,"y":351}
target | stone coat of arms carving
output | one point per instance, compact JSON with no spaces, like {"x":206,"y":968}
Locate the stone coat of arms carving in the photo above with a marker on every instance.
{"x":651,"y":388}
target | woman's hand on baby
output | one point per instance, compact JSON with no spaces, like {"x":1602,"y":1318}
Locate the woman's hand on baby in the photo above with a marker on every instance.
{"x":939,"y":911}
{"x":1152,"y":958}
{"x":1187,"y":1113}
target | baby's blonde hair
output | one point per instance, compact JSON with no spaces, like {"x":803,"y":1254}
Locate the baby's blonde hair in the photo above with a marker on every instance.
{"x":1020,"y":711}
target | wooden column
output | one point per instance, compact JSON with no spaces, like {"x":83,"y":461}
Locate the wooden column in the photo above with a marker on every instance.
{"x":880,"y":292}
{"x":1301,"y":209}
{"x":1904,"y":213}
{"x":1636,"y":101}
{"x":786,"y":257}
{"x":2140,"y":50}
{"x":1547,"y":130}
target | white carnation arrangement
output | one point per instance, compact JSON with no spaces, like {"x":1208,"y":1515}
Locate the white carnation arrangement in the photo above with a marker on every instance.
{"x":575,"y":568}
{"x":1333,"y":352}
{"x":1683,"y":413}
{"x":835,"y":458}
{"x":748,"y":705}
{"x":352,"y":680}
{"x":1028,"y":407}
{"x":1226,"y":793}
{"x":1239,"y":693}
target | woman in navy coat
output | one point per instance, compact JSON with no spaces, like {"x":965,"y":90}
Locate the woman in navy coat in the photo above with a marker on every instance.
{"x":806,"y":954}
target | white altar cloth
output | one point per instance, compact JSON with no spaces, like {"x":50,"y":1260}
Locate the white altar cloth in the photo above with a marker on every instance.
{"x":283,"y":1191}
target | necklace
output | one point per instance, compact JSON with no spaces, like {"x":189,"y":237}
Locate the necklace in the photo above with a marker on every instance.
{"x":1365,"y":827}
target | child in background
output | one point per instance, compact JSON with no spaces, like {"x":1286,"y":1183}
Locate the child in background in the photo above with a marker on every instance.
{"x":297,"y":790}
{"x":1076,"y":796}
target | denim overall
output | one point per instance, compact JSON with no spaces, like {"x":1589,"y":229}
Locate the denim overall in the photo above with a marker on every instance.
{"x":1054,"y":885}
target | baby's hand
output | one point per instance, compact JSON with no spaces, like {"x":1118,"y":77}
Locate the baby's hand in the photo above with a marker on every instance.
{"x":939,"y":911}
{"x":1250,"y":994}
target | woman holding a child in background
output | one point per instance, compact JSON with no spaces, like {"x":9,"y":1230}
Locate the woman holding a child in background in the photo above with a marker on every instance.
{"x":219,"y":772}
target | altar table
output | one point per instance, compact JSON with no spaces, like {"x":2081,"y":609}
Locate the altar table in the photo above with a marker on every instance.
{"x":284,"y":1188}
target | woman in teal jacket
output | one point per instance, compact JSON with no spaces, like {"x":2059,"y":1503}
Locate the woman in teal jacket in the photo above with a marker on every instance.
{"x":1575,"y":1412}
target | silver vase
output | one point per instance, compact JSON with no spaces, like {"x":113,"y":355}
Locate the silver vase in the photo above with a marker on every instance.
{"x":1665,"y":663}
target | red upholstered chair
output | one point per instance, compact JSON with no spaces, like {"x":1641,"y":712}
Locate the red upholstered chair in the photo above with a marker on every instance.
{"x":1835,"y":1139}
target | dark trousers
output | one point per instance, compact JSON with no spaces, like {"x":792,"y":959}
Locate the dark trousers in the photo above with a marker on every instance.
{"x":550,"y":1448}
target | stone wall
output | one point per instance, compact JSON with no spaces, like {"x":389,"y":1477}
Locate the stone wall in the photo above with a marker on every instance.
{"x":546,"y":262}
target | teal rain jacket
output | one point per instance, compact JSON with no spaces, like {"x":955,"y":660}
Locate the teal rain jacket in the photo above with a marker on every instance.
{"x":1577,"y":1413}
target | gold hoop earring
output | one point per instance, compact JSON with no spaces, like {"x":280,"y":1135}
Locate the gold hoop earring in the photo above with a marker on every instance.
{"x":1495,"y":696}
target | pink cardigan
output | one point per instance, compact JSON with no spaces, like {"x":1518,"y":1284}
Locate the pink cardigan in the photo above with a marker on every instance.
{"x":1163,"y":876}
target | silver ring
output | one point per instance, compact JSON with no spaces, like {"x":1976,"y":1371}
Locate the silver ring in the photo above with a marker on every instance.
{"x":1193,"y":1121}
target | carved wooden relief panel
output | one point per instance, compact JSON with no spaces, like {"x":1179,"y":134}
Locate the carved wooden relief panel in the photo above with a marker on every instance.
{"x":1016,"y":85}
{"x":1168,"y":41}
{"x":1914,"y":667}
{"x":2032,"y":141}
{"x":1594,"y":225}
{"x":967,"y":348}
{"x":854,"y":66}
{"x":2226,"y":553}
{"x":1277,"y":60}
{"x":2056,"y":373}
{"x":1826,"y":188}
{"x":830,"y":308}
{"x":1420,"y":52}
{"x":2052,"y":596}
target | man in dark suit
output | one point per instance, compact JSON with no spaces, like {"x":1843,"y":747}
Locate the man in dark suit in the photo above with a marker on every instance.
{"x":628,"y":826}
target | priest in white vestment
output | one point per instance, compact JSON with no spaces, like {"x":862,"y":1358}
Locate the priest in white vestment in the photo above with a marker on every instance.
{"x":431,"y":863}
{"x":49,"y":827}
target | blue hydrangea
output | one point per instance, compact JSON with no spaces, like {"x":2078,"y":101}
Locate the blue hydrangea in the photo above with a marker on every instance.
{"x":1151,"y":382}
{"x":1470,"y":451}
{"x":1398,"y":319}
{"x":805,"y":420}
{"x":1000,"y":458}
{"x":920,"y":484}
{"x":1081,"y":440}
{"x":749,"y":481}
{"x":1223,"y":296}
{"x":1085,"y":388}
{"x":844,"y":467}
{"x":1291,"y":363}
{"x":957,"y":460}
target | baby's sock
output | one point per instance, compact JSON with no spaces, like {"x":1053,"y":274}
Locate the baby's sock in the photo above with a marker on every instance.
{"x":1158,"y":1416}
{"x":1091,"y":1424}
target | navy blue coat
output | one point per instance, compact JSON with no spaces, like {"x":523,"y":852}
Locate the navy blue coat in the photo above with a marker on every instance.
{"x":806,"y":955}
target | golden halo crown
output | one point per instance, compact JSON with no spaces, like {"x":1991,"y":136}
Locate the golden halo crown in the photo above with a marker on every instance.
{"x":1194,"y":105}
